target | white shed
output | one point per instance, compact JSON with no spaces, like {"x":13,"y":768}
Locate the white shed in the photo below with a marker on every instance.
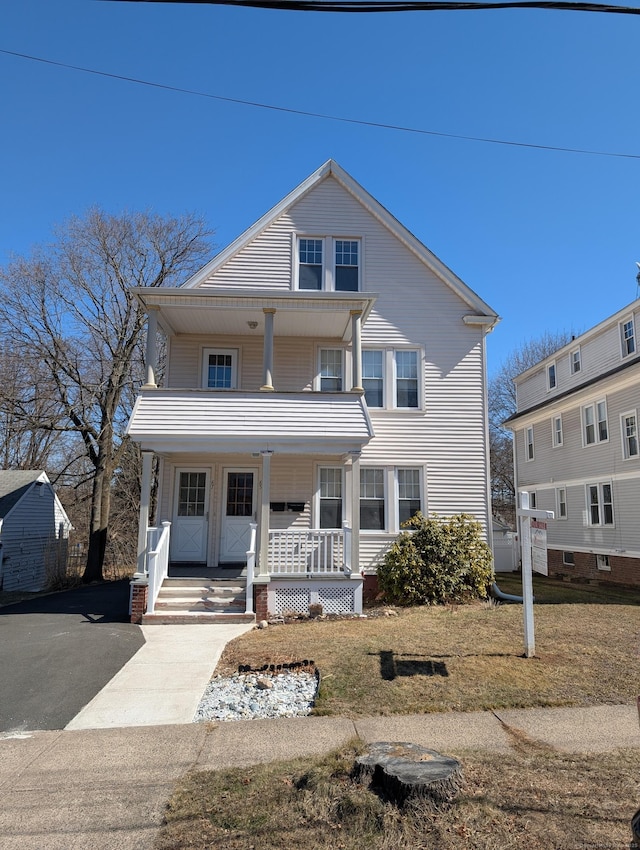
{"x":34,"y":530}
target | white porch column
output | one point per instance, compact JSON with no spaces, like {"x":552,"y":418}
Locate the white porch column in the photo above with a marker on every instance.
{"x":151,"y":354}
{"x":355,"y":512}
{"x":145,"y":501}
{"x":263,"y":566}
{"x":267,"y":358}
{"x":356,"y":349}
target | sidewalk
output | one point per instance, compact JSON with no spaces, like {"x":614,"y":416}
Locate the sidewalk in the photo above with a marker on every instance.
{"x":106,"y":789}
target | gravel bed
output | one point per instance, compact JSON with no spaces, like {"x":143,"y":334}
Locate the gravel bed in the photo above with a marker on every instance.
{"x":246,"y":696}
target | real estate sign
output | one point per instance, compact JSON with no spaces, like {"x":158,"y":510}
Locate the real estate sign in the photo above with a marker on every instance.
{"x":539,"y":547}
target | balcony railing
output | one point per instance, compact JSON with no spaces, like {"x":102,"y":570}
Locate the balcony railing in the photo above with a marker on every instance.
{"x":308,"y":551}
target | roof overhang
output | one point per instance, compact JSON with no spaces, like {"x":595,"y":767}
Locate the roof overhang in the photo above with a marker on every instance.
{"x":230,"y":312}
{"x":166,"y":421}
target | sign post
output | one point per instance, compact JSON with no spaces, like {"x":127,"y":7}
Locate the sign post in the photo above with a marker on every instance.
{"x":527,"y":515}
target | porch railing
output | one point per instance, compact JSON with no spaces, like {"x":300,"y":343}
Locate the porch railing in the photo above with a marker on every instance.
{"x":157,"y":561}
{"x":305,"y":551}
{"x":251,"y":567}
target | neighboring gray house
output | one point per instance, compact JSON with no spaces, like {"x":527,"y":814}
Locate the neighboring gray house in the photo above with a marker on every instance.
{"x":326,"y":379}
{"x":576,"y":449}
{"x":34,"y":530}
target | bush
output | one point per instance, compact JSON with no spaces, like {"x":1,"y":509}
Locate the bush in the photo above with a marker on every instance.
{"x":437,"y":561}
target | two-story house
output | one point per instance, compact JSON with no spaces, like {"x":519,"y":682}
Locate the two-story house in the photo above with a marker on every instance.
{"x":576,"y":450}
{"x":325,"y":380}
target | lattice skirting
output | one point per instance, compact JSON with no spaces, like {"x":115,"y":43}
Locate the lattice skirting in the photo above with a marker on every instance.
{"x":337,"y":597}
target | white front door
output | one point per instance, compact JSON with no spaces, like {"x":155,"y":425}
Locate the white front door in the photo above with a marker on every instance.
{"x":238,"y":511}
{"x":189,"y":534}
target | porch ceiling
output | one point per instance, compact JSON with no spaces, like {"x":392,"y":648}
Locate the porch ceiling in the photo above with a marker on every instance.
{"x":291,"y":423}
{"x":228,"y":312}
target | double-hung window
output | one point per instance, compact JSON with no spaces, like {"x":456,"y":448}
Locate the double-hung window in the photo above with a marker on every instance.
{"x":557,"y":431}
{"x":629,"y":425}
{"x":329,"y":263}
{"x":373,"y":377}
{"x":561,"y":501}
{"x":595,"y":427}
{"x":552,"y":380}
{"x":600,"y":504}
{"x":409,"y":494}
{"x":576,"y":361}
{"x":406,"y":370}
{"x":330,"y":497}
{"x":372,"y":513}
{"x":331,"y":370}
{"x":628,"y":337}
{"x":219,"y":368}
{"x":529,"y":443}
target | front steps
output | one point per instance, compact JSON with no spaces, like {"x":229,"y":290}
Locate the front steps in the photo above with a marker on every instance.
{"x":200,"y":600}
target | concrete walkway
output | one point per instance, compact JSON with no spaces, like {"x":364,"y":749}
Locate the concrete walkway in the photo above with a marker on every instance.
{"x":164,"y":681}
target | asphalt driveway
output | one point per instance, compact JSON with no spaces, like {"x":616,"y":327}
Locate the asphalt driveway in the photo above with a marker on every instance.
{"x":58,"y":651}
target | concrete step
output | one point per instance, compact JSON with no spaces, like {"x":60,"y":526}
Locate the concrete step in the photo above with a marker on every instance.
{"x":192,"y":617}
{"x":200,"y":592}
{"x":177,"y":603}
{"x":205,"y":582}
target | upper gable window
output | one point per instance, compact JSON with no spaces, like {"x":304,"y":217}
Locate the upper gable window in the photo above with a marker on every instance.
{"x":552,"y":381}
{"x":220,"y":368}
{"x":628,"y":337}
{"x":329,"y":263}
{"x":576,"y":361}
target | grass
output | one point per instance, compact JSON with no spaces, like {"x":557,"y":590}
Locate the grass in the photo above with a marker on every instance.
{"x":531,"y":797}
{"x":465,"y":657}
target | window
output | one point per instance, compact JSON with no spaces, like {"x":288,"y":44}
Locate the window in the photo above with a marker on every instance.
{"x":557,"y":431}
{"x":310,"y":252}
{"x":600,"y":504}
{"x":347,"y":266}
{"x":330,"y":497}
{"x":409,"y":499}
{"x":406,"y":372}
{"x":372,"y":499}
{"x":602,"y":563}
{"x":327,"y":263}
{"x":594,"y":422}
{"x":219,"y":368}
{"x":532,"y":500}
{"x":331,"y":370}
{"x":373,"y":377}
{"x":568,"y":559}
{"x":561,"y":501}
{"x":551,"y":376}
{"x":628,"y":337}
{"x":576,"y":361}
{"x":529,"y":443}
{"x":630,"y":434}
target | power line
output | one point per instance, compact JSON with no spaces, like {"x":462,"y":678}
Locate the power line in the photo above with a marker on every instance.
{"x":320,"y":115}
{"x":403,"y":5}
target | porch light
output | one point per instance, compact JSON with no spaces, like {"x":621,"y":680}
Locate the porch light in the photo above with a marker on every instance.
{"x":253,"y":325}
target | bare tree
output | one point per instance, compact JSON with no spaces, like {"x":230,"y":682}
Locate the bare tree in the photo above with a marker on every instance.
{"x":69,"y":306}
{"x":502,"y":404}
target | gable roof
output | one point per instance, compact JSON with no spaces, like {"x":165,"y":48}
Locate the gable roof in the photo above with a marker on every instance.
{"x":332,"y":169}
{"x":14,"y":483}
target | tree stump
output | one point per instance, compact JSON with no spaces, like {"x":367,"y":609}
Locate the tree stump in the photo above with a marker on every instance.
{"x":409,"y":771}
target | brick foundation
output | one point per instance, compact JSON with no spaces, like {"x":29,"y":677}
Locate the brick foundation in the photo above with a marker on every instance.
{"x":624,"y":571}
{"x":370,"y":589}
{"x":260,"y":602}
{"x":139,"y":595}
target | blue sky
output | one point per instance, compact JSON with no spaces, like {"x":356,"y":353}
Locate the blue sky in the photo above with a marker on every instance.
{"x":548,"y":239}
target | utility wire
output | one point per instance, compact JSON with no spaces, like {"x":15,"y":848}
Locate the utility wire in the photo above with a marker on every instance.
{"x":322,"y":116}
{"x":403,"y":5}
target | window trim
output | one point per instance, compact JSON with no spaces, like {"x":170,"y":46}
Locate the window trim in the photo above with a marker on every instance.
{"x":594,"y":407}
{"x":624,"y":341}
{"x":383,"y":378}
{"x":569,"y":563}
{"x":318,"y":498}
{"x":384,"y":500}
{"x":235,"y":368}
{"x":552,"y":369}
{"x":529,"y":445}
{"x":328,"y":273}
{"x":317,"y":383}
{"x":389,"y":378}
{"x":560,"y":502}
{"x":557,"y":436}
{"x":625,"y":439}
{"x":603,"y":564}
{"x":396,"y":477}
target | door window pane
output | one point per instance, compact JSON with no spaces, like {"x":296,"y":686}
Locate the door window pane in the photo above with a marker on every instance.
{"x":220,"y":371}
{"x":240,"y":494}
{"x":192,"y":493}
